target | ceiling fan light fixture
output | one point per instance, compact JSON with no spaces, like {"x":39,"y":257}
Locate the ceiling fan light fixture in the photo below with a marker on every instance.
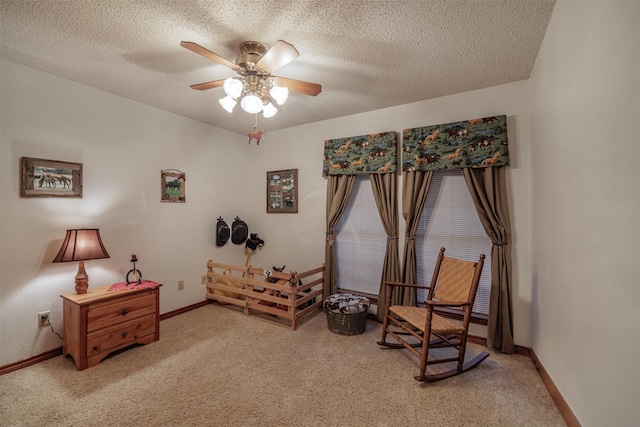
{"x":251,"y":103}
{"x":233,"y":87}
{"x":256,"y":89}
{"x":279,"y":94}
{"x":269,"y":110}
{"x":228,"y":103}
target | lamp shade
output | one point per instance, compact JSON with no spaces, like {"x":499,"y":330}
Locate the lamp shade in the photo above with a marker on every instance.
{"x":81,"y":245}
{"x":269,"y":110}
{"x":279,"y":93}
{"x":228,"y":103}
{"x":252,"y":104}
{"x":233,"y":87}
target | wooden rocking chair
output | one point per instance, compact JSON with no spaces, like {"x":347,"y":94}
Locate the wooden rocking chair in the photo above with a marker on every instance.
{"x":454,"y":284}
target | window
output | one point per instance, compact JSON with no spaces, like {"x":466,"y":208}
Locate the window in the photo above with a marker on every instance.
{"x":360,"y":242}
{"x":450,"y":220}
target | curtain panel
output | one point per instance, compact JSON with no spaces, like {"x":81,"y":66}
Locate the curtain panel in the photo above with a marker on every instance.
{"x":414,"y":195}
{"x":488,"y":189}
{"x":364,"y":154}
{"x":384,"y":188}
{"x":339,"y":188}
{"x":474,"y":143}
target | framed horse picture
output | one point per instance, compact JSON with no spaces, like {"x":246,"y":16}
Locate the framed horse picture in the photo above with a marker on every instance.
{"x":282,"y":191}
{"x":172,"y":186}
{"x":50,"y":178}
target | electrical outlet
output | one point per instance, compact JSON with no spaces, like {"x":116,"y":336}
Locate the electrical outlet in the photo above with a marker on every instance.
{"x":43,"y":318}
{"x":180,"y":285}
{"x":203,"y":280}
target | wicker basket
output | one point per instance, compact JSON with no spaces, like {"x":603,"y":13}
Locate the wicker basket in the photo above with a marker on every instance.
{"x":346,"y":324}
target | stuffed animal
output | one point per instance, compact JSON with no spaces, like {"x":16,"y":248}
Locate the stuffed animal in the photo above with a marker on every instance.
{"x":254,"y":242}
{"x":294,"y":278}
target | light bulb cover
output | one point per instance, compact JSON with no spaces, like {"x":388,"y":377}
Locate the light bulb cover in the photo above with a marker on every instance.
{"x":269,"y":110}
{"x":228,"y":103}
{"x":279,"y":94}
{"x":251,"y":103}
{"x":233,"y":87}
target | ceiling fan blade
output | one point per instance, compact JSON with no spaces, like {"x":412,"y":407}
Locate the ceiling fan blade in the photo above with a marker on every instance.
{"x":280,"y":54}
{"x":196,"y":48}
{"x":207,"y":85}
{"x":299,"y":86}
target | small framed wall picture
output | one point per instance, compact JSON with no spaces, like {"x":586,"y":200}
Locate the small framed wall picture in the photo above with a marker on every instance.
{"x":50,"y":178}
{"x":172,"y":186}
{"x":282,"y":191}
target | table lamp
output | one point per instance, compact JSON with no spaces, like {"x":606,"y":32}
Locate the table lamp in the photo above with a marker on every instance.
{"x":81,"y":245}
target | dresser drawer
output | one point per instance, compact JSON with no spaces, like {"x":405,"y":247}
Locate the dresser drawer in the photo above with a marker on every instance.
{"x":122,"y":333}
{"x":109,"y":313}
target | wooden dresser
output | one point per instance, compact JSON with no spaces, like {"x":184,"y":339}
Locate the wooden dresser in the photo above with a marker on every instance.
{"x":100,"y":322}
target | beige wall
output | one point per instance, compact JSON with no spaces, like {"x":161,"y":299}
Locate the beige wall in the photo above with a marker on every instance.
{"x":585,"y":146}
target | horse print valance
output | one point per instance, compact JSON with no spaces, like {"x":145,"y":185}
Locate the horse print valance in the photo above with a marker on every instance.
{"x":365,"y":154}
{"x":472,"y":143}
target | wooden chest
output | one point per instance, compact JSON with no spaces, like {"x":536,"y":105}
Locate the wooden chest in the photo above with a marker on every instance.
{"x":100,"y":322}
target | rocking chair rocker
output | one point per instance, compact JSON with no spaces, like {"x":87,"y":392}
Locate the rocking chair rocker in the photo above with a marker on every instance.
{"x":454,"y":284}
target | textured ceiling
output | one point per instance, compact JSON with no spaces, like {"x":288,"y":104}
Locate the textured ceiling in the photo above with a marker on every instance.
{"x":366,"y":54}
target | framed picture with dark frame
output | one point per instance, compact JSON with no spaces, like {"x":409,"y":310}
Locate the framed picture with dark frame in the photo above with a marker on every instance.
{"x":50,"y":178}
{"x":172,"y":186}
{"x":282,"y":191}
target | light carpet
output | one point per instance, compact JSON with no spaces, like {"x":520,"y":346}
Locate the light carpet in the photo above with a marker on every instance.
{"x":214,"y":366}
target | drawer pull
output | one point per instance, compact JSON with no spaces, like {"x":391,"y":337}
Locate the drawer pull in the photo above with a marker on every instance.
{"x":95,"y":348}
{"x":124,"y":334}
{"x":125,"y":311}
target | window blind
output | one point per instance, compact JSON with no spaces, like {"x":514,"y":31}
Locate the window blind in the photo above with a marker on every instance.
{"x":360,"y":242}
{"x":450,"y":220}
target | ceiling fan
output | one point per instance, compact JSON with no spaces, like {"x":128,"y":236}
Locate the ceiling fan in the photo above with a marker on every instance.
{"x":256,"y":88}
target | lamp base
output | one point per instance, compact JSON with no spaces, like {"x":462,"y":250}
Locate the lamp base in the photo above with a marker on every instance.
{"x":82,"y":280}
